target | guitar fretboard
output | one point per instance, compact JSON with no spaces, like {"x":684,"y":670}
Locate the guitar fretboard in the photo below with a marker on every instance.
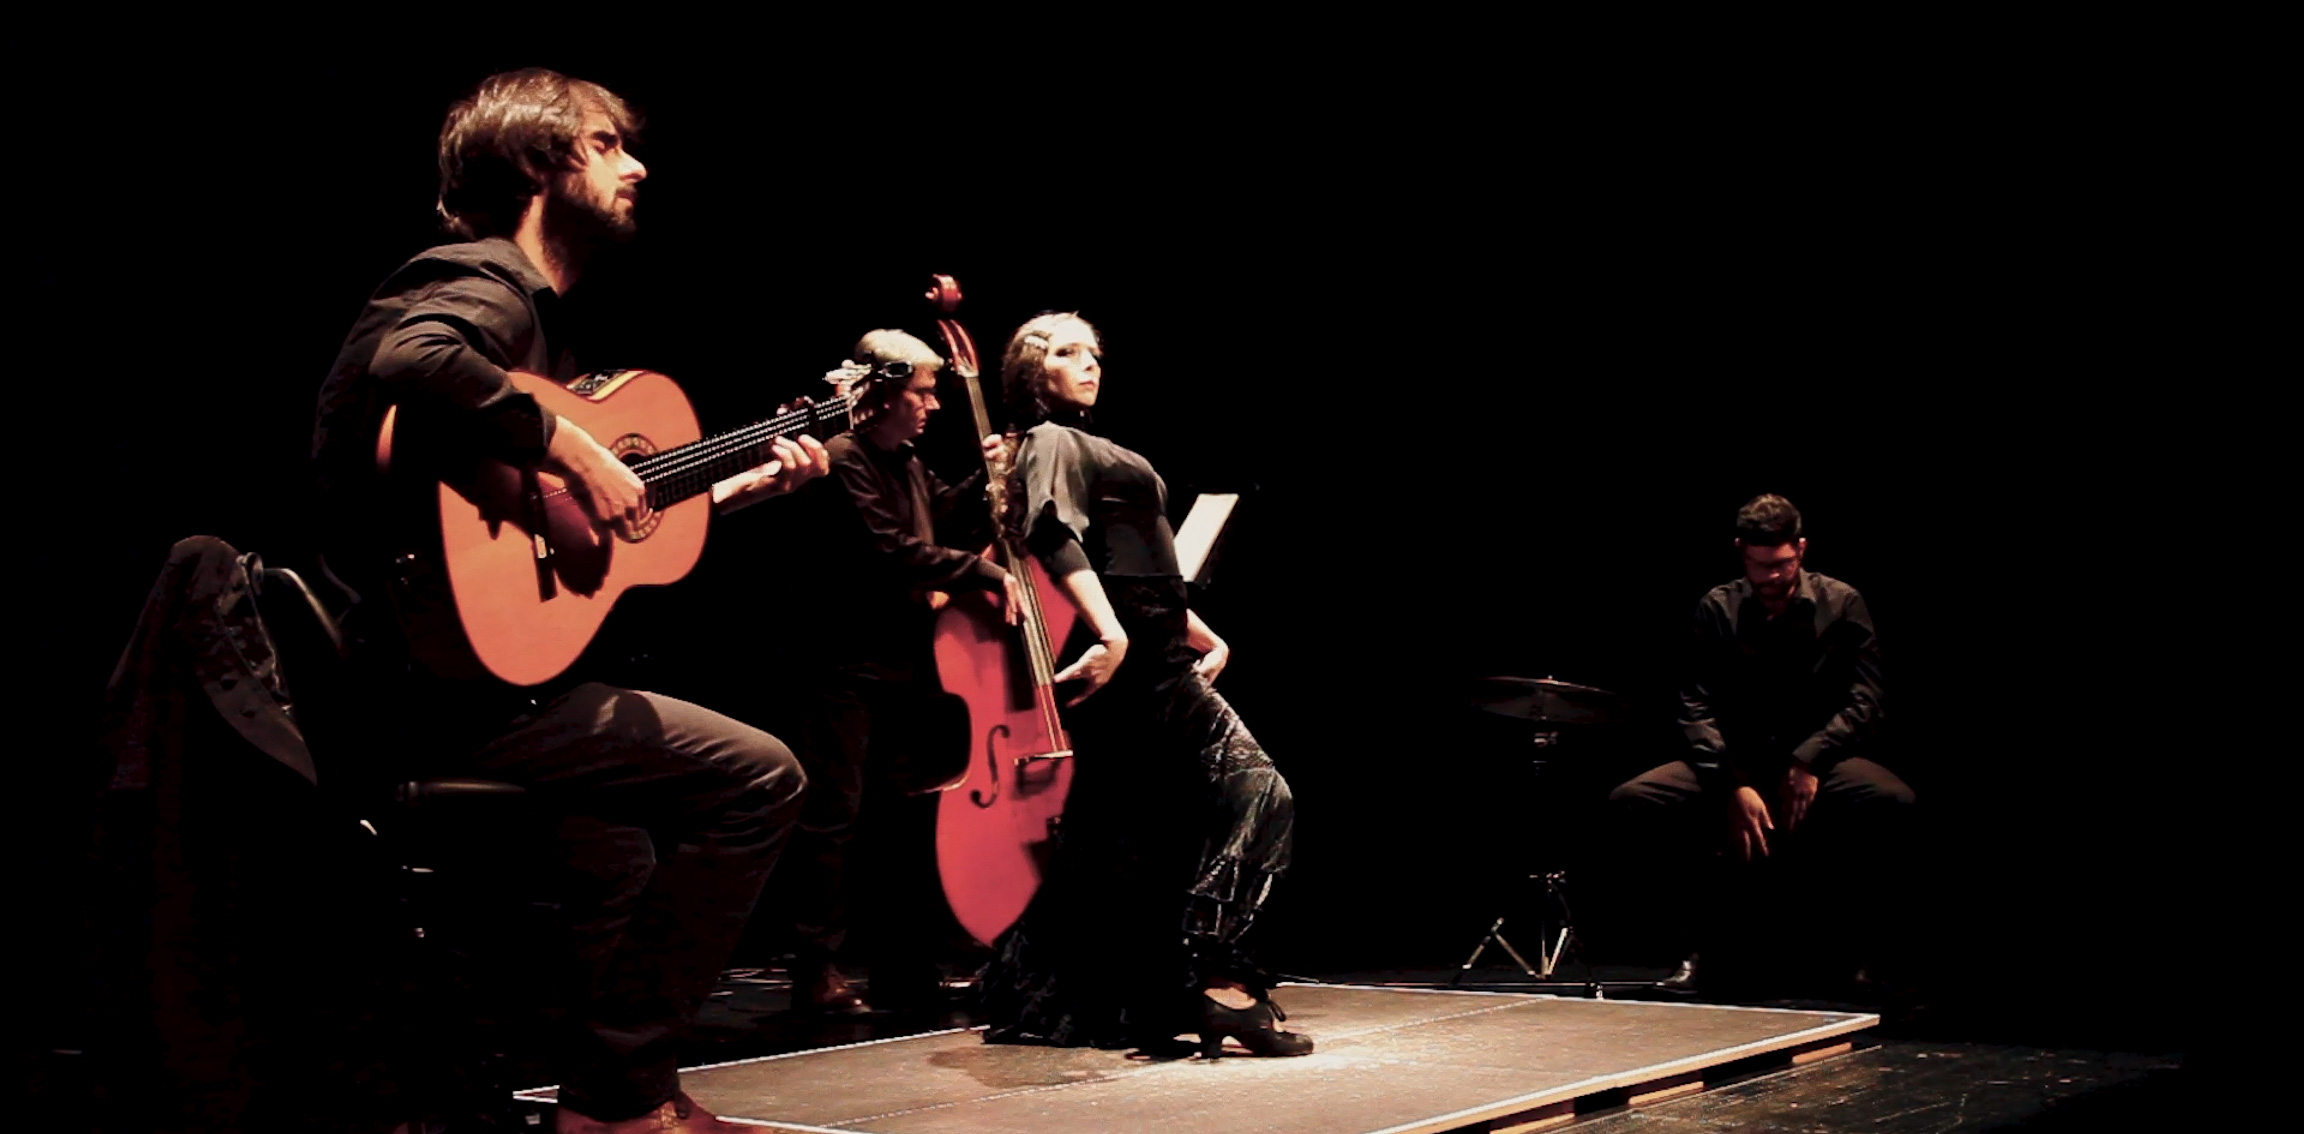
{"x":677,"y":474}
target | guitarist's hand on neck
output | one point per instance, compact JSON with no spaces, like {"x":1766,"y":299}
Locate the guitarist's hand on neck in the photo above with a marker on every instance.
{"x":798,"y":461}
{"x":610,"y":490}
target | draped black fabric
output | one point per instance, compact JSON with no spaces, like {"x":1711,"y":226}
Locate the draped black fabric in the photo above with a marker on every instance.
{"x":1178,"y":823}
{"x":230,"y":887}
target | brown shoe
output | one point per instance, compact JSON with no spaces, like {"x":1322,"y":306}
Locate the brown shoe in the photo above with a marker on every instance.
{"x":827,"y":992}
{"x":678,"y":1115}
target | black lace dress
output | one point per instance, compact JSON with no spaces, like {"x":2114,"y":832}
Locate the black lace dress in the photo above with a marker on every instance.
{"x":1177,"y":824}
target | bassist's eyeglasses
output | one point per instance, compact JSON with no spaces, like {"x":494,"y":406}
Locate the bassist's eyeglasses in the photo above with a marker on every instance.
{"x":900,"y":370}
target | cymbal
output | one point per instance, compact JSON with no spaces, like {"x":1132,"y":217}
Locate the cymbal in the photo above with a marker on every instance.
{"x":1543,"y":700}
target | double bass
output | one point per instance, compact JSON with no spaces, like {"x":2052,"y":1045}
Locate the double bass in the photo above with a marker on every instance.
{"x":996,"y":823}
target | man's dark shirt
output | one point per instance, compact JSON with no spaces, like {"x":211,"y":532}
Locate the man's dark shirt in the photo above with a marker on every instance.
{"x":1803,"y":686}
{"x":435,"y":340}
{"x":892,"y":532}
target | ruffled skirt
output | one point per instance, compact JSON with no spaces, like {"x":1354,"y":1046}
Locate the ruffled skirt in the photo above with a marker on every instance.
{"x":1177,"y":827}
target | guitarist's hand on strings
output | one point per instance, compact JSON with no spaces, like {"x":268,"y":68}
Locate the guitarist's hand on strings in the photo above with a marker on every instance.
{"x":610,"y":490}
{"x":797,"y":462}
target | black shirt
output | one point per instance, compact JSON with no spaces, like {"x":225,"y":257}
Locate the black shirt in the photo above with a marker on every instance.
{"x":891,"y":532}
{"x":1802,"y":686}
{"x":1089,"y":502}
{"x":435,"y":339}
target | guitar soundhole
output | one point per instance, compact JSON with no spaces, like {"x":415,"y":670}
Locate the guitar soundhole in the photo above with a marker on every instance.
{"x":629,"y":448}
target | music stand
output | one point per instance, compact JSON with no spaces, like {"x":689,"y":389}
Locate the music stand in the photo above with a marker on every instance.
{"x":1551,"y":709}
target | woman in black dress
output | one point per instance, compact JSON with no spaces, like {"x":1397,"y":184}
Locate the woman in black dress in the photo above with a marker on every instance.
{"x":1178,"y":823}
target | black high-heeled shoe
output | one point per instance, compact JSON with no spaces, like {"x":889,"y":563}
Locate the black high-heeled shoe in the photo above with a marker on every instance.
{"x":1252,"y":1026}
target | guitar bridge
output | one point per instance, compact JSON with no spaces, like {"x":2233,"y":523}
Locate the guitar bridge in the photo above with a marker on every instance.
{"x":547,"y":587}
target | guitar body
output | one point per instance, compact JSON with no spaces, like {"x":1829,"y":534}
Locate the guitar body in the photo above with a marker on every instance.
{"x":521,"y":578}
{"x":994,"y":826}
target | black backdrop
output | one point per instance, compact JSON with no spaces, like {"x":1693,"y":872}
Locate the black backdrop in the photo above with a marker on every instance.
{"x":1494,"y":362}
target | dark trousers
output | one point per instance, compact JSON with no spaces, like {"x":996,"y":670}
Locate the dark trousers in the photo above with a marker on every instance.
{"x":1836,"y":885}
{"x":672,"y":816}
{"x":870,"y":738}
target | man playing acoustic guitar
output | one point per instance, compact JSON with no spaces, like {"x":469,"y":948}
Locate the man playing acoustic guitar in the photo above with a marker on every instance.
{"x":674,"y":814}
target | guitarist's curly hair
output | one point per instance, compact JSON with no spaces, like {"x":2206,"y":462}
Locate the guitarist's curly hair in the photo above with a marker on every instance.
{"x":501,"y":143}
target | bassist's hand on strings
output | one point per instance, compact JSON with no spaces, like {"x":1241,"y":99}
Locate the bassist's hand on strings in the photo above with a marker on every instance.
{"x":610,"y":490}
{"x":1011,"y":598}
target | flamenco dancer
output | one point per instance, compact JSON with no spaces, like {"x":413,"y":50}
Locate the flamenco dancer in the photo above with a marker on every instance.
{"x":1178,"y":823}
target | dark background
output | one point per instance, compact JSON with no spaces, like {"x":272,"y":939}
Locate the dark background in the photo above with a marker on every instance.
{"x":1495,"y":359}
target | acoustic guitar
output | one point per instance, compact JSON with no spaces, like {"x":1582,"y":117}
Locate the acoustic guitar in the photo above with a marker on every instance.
{"x":520,"y":578}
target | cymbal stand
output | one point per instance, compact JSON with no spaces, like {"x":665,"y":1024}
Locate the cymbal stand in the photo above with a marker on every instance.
{"x":1550,"y":948}
{"x":1555,"y":921}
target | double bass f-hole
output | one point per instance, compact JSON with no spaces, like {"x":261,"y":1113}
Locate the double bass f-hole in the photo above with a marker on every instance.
{"x":992,"y":741}
{"x":992,"y":738}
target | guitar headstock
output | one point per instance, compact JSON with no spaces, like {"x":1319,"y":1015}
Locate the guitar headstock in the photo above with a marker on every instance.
{"x":850,"y":381}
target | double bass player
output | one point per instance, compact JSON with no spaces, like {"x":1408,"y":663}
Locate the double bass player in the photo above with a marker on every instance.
{"x":870,"y":725}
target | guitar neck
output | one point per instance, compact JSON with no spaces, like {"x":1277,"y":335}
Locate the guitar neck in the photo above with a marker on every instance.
{"x":690,"y":470}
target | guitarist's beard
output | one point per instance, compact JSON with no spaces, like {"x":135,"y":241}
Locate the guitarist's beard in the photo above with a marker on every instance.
{"x":580,"y":224}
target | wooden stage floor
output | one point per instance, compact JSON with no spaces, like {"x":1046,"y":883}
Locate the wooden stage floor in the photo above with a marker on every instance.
{"x":1395,"y":1061}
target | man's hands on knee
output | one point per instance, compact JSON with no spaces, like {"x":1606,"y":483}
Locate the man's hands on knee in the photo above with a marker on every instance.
{"x":1799,"y":792}
{"x":1748,"y":824}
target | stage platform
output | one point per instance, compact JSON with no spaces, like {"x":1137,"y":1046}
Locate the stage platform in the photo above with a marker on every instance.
{"x":1395,"y":1061}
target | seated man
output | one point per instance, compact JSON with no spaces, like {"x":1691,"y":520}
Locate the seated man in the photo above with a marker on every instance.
{"x":673,"y":814}
{"x":1780,"y":706}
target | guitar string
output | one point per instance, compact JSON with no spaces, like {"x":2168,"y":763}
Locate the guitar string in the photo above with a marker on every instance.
{"x":749,"y":435}
{"x":689,"y":457}
{"x":686,"y":468}
{"x":683,"y":458}
{"x":697,"y":456}
{"x":678,"y":468}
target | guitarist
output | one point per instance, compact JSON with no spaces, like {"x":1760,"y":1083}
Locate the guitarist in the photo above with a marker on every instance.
{"x":674,"y":814}
{"x":870,"y":716}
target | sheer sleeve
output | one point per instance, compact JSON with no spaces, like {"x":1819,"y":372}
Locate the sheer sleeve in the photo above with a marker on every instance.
{"x":1055,"y":476}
